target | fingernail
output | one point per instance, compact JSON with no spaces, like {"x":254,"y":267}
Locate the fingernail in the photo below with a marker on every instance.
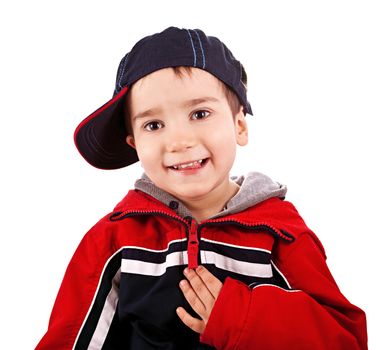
{"x":183,"y":283}
{"x":199,"y":269}
{"x":186,"y":271}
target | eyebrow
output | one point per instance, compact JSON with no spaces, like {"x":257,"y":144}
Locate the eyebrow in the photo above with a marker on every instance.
{"x":190,"y":103}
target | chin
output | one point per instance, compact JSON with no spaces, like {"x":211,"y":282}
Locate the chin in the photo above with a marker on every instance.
{"x":191,"y":193}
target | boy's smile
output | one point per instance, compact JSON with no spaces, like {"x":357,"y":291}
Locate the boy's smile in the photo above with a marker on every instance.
{"x":185,"y":136}
{"x":189,"y":167}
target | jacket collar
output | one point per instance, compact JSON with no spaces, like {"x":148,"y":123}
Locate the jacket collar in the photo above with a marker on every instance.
{"x":254,"y":188}
{"x":273,"y":214}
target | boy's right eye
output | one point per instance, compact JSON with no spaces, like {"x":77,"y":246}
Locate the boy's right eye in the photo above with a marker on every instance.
{"x":152,"y":126}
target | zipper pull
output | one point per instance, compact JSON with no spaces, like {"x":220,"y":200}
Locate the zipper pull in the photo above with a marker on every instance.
{"x":193,"y":246}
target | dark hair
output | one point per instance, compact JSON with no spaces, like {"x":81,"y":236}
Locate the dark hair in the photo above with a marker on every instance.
{"x":231,"y":96}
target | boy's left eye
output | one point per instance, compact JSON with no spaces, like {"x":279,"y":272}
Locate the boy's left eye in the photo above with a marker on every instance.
{"x":200,"y":114}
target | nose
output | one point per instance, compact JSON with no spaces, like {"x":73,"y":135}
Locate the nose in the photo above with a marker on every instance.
{"x":180,"y":138}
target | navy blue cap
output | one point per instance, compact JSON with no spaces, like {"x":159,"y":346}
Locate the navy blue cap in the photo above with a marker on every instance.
{"x":100,"y":138}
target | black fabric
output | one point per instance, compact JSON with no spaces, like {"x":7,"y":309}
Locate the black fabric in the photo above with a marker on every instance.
{"x":90,"y":325}
{"x":182,"y":47}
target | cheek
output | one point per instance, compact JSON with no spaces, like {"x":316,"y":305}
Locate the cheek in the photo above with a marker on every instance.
{"x":148,"y":154}
{"x":222,"y":142}
{"x":145,"y":156}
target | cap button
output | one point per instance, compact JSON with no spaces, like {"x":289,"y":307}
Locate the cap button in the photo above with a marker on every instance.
{"x":173,"y":204}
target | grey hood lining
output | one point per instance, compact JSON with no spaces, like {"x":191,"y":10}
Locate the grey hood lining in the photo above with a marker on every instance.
{"x":255,"y":188}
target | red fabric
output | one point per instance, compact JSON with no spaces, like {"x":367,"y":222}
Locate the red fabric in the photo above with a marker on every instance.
{"x":77,"y":291}
{"x":314,"y":315}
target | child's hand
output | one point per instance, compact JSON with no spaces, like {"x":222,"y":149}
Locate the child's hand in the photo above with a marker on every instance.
{"x":201,"y":291}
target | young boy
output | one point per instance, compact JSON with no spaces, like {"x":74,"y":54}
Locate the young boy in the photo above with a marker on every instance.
{"x":191,"y":258}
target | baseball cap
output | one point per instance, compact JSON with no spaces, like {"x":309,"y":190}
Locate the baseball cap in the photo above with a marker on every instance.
{"x":101,"y":137}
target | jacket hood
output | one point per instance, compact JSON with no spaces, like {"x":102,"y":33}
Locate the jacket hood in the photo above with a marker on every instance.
{"x":254,"y":188}
{"x":259,"y":202}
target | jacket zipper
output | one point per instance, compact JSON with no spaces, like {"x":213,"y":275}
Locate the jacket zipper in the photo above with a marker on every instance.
{"x":254,"y":226}
{"x":192,"y":235}
{"x":193,"y":229}
{"x":193,"y":246}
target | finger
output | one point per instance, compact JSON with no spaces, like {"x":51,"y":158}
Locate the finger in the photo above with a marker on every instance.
{"x":213,"y":284}
{"x":191,"y":322}
{"x":199,"y":287}
{"x":192,"y":298}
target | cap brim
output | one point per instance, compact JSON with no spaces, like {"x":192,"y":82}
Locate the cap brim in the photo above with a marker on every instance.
{"x":101,"y":137}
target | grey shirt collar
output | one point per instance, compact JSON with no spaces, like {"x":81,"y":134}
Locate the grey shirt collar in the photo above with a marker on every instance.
{"x":254,"y":188}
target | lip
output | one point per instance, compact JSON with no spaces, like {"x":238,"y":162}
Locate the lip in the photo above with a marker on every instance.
{"x":187,"y":162}
{"x":190,"y":171}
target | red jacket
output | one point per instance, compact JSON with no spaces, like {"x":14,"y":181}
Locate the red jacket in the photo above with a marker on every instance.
{"x":121,"y":289}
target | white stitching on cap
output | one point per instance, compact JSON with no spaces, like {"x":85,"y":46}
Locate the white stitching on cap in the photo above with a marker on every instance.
{"x":202,"y":49}
{"x":240,"y":70}
{"x":122,"y":69}
{"x":193,"y":47}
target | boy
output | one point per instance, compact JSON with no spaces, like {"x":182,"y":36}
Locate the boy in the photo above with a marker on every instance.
{"x":193,"y":259}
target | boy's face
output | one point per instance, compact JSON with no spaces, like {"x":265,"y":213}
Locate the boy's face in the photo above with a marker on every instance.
{"x":184,"y":119}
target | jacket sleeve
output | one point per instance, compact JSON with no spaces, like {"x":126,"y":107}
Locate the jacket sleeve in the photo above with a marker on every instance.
{"x":313,"y":314}
{"x":85,"y":306}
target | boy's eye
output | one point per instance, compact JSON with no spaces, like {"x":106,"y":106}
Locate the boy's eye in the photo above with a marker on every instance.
{"x":152,"y":126}
{"x":200,"y":114}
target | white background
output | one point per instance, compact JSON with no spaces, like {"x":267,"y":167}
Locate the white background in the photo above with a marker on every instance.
{"x":311,"y":70}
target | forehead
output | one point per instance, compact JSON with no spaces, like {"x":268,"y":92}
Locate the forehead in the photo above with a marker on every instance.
{"x":165,"y":88}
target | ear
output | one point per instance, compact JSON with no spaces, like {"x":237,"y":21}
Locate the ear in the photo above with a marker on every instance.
{"x":130,"y":141}
{"x":241,"y":128}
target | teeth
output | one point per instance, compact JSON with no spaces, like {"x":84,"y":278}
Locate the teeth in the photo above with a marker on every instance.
{"x":187,"y":165}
